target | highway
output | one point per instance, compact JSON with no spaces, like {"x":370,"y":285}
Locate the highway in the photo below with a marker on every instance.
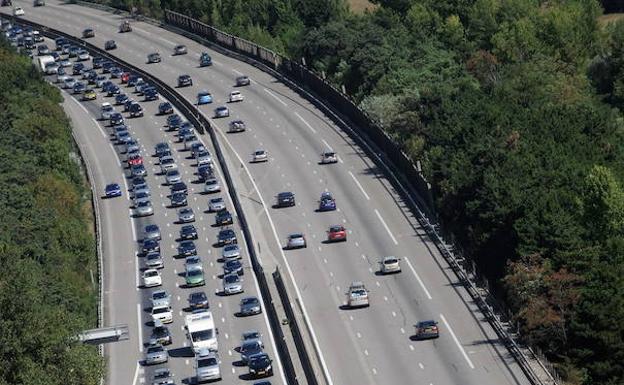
{"x":364,"y":346}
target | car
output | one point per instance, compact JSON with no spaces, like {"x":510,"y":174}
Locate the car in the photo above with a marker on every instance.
{"x":207,"y":366}
{"x":189,"y":140}
{"x":107,"y":66}
{"x":154,"y":261}
{"x":106,"y":110}
{"x":132,"y":146}
{"x":160,"y":148}
{"x":52,"y":68}
{"x":128,"y":104}
{"x":73,"y":51}
{"x":136,"y":182}
{"x":153,"y":58}
{"x":237,"y":126}
{"x":173,"y":176}
{"x":151,"y":278}
{"x":174,"y":121}
{"x":179,"y":187}
{"x":107,"y":85}
{"x":64,"y":63}
{"x":38,"y":3}
{"x":205,"y":60}
{"x":141,"y":87}
{"x":328,"y":157}
{"x":327,"y":202}
{"x":135,"y":159}
{"x":160,"y":298}
{"x":144,"y":209}
{"x":226,"y":237}
{"x":78,"y":68}
{"x":43,"y":49}
{"x":194,"y":277}
{"x":196,"y":148}
{"x":231,"y":252}
{"x":216,"y":204}
{"x":121,"y":98}
{"x":426,"y":329}
{"x":236,"y":96}
{"x":151,"y":231}
{"x":221,"y":112}
{"x":110,"y":44}
{"x":83,"y":55}
{"x":180,"y":50}
{"x":124,"y":77}
{"x":212,"y":185}
{"x":138,"y":170}
{"x":259,"y":156}
{"x":251,"y":335}
{"x":389,"y":265}
{"x":260,"y":366}
{"x":116,"y":119}
{"x":233,"y":266}
{"x":357,"y":295}
{"x":18,"y":11}
{"x":205,"y":172}
{"x":167,"y":163}
{"x":204,"y":97}
{"x":135,"y":110}
{"x":150,"y":246}
{"x":250,"y":348}
{"x":295,"y":241}
{"x":203,"y":158}
{"x":160,"y":335}
{"x":150,"y":94}
{"x":69,"y":83}
{"x":165,"y":108}
{"x":133,"y":80}
{"x":99,"y":81}
{"x":156,"y":354}
{"x":125,"y":27}
{"x":89,"y":76}
{"x":242,"y":81}
{"x":232,"y":284}
{"x":336,"y":233}
{"x":224,"y":217}
{"x":97,"y":62}
{"x":186,"y":248}
{"x":185,"y":81}
{"x":193,"y":262}
{"x":88,"y":32}
{"x":285,"y":199}
{"x":79,"y":88}
{"x":188,"y":232}
{"x":198,"y":300}
{"x":113,"y":190}
{"x":163,"y":314}
{"x":116,"y":72}
{"x":113,"y":90}
{"x":186,"y":215}
{"x":123,"y":136}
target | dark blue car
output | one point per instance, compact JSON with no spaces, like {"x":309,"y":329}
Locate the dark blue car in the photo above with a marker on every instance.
{"x":77,"y":68}
{"x":150,"y":94}
{"x":327,"y":202}
{"x":113,"y":190}
{"x":174,"y":121}
{"x":121,"y":98}
{"x":165,"y":108}
{"x":204,"y":97}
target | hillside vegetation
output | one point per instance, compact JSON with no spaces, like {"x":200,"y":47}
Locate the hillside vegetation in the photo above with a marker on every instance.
{"x":47,"y":246}
{"x":514,"y":108}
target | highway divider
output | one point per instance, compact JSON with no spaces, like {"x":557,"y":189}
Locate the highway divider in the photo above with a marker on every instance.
{"x":203,"y":126}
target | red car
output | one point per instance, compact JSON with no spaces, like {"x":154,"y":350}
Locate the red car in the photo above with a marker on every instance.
{"x":135,"y":159}
{"x":124,"y":77}
{"x":336,"y":233}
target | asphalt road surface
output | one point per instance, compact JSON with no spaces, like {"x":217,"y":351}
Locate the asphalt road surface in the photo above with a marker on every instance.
{"x":372,"y":345}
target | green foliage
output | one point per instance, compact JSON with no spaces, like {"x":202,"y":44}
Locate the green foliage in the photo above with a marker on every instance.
{"x":46,"y":246}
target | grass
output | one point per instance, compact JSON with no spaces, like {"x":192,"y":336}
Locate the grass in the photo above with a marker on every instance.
{"x":359,"y":6}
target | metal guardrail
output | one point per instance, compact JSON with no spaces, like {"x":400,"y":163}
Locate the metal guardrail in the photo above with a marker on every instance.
{"x":203,"y":126}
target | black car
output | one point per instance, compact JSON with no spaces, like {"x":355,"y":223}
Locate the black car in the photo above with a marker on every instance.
{"x":136,"y":110}
{"x":226,"y":236}
{"x":160,"y":148}
{"x":106,"y":67}
{"x":113,"y":89}
{"x":260,"y":366}
{"x":285,"y":199}
{"x":178,"y":200}
{"x":139,"y":180}
{"x":150,"y":246}
{"x":188,"y":232}
{"x":110,"y":44}
{"x":121,"y":98}
{"x":132,"y":80}
{"x":185,"y":80}
{"x":223,"y":218}
{"x":187,"y":248}
{"x":179,"y":187}
{"x":89,"y":32}
{"x":128,"y":104}
{"x":160,"y":335}
{"x":116,"y":119}
{"x":174,"y":121}
{"x":97,"y":62}
{"x":150,"y":94}
{"x":165,"y":108}
{"x":198,"y":300}
{"x":77,"y":68}
{"x":233,"y":266}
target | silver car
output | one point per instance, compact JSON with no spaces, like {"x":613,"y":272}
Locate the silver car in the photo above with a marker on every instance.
{"x":156,"y":354}
{"x":216,"y":204}
{"x":154,"y":261}
{"x":232,"y":284}
{"x":390,"y":265}
{"x":212,"y":185}
{"x":144,"y":209}
{"x":160,"y":298}
{"x":192,"y":262}
{"x":180,"y":50}
{"x":231,"y":252}
{"x":69,"y":83}
{"x":152,"y":231}
{"x":186,"y":215}
{"x":173,"y":176}
{"x":163,"y":376}
{"x":204,"y":158}
{"x":167,"y":163}
{"x":259,"y":156}
{"x":141,"y":197}
{"x":296,"y":241}
{"x":207,"y":366}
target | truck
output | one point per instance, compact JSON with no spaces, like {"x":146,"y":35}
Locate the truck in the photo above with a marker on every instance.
{"x":201,"y":331}
{"x":43,"y":60}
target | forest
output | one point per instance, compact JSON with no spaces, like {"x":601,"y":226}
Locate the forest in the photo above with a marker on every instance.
{"x":47,"y":242}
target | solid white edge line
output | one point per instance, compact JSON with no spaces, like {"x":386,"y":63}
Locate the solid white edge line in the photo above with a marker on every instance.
{"x":290,"y":273}
{"x":275,"y":96}
{"x":139,"y":327}
{"x":136,"y":374}
{"x":386,"y":227}
{"x":360,"y":186}
{"x":461,"y":348}
{"x":308,"y":125}
{"x":88,"y":113}
{"x":417,"y":277}
{"x":326,"y":144}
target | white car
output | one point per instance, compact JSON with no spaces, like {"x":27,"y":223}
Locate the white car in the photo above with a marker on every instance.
{"x":18,"y":11}
{"x":390,"y":265}
{"x":163,"y":314}
{"x":69,"y":83}
{"x":329,"y":157}
{"x":221,"y":112}
{"x":106,"y":110}
{"x":151,"y":278}
{"x":259,"y":156}
{"x":173,"y":176}
{"x":167,"y":163}
{"x":212,"y":185}
{"x":216,"y":204}
{"x":83,"y":55}
{"x":236,"y":96}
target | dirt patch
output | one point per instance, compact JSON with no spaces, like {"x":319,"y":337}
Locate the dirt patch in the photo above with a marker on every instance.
{"x":610,"y":18}
{"x":359,"y":6}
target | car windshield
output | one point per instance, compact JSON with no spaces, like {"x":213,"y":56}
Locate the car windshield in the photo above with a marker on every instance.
{"x":250,"y":345}
{"x":186,"y":211}
{"x":249,"y":301}
{"x":144,"y":204}
{"x":198,"y":297}
{"x":202,"y":335}
{"x":160,"y":295}
{"x":390,"y":261}
{"x":160,"y":310}
{"x":231,"y":278}
{"x":204,"y":362}
{"x":231,"y":248}
{"x":151,"y":273}
{"x":155,"y":349}
{"x":192,"y":260}
{"x":261,"y":361}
